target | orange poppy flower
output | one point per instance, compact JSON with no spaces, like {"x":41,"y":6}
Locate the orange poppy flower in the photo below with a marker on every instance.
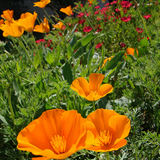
{"x":43,"y":27}
{"x":58,"y":25}
{"x":27,"y":21}
{"x":111,"y":129}
{"x":90,"y":1}
{"x":93,"y":90}
{"x":7,"y":14}
{"x":130,"y":51}
{"x":56,"y":134}
{"x":68,"y":10}
{"x":12,"y":29}
{"x":42,"y":3}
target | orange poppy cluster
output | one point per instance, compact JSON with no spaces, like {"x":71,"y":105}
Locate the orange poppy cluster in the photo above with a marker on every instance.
{"x":16,"y":28}
{"x":57,"y":133}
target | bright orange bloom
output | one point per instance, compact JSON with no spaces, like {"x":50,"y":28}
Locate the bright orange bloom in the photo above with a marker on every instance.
{"x":93,"y":90}
{"x":68,"y":10}
{"x":42,"y":3}
{"x":12,"y":29}
{"x":58,"y":25}
{"x":7,"y":14}
{"x":43,"y":27}
{"x":111,"y":129}
{"x":90,"y":1}
{"x":56,"y":134}
{"x":130,"y":51}
{"x":27,"y":21}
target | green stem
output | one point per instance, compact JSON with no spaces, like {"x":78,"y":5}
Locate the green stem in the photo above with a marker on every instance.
{"x":107,"y":155}
{"x":50,"y":20}
{"x":94,"y":108}
{"x":34,"y":42}
{"x":10,"y":104}
{"x":22,"y":45}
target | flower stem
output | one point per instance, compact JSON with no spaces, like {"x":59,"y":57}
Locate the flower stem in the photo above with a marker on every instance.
{"x":107,"y":155}
{"x":10,"y":104}
{"x":22,"y":45}
{"x":94,"y":108}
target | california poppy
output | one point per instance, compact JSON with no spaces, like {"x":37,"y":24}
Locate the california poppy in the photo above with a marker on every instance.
{"x":68,"y":10}
{"x":111,"y":129}
{"x":12,"y":29}
{"x":93,"y":90}
{"x":59,"y":25}
{"x":42,"y":3}
{"x":56,"y":134}
{"x":43,"y":27}
{"x":130,"y":51}
{"x":27,"y":21}
{"x":7,"y":14}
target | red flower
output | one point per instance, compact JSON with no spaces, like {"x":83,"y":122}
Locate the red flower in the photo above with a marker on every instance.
{"x":81,"y":21}
{"x":97,"y":7}
{"x":99,"y":45}
{"x":107,"y":4}
{"x":126,"y":19}
{"x":96,"y":12}
{"x":126,"y":4}
{"x":139,"y":30}
{"x":81,"y":5}
{"x":147,"y":16}
{"x":80,"y":15}
{"x":87,"y":29}
{"x":114,"y":2}
{"x":99,"y":29}
{"x":122,"y":44}
{"x":117,"y":10}
{"x":40,"y":40}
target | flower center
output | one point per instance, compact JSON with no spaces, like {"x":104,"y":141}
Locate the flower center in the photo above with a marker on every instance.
{"x":59,"y":144}
{"x":104,"y":138}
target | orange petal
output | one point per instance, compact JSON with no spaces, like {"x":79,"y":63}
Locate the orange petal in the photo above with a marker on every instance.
{"x":100,"y":118}
{"x":81,"y":86}
{"x":67,"y":10}
{"x":105,"y":89}
{"x":120,"y":126}
{"x":95,"y":80}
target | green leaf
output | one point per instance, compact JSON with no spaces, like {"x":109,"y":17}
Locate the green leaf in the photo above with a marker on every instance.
{"x":57,"y":55}
{"x":141,"y":51}
{"x":69,"y":51}
{"x":50,"y":58}
{"x":114,"y":61}
{"x":90,"y":55}
{"x":85,"y":40}
{"x":144,"y":42}
{"x":73,"y":41}
{"x":79,"y":52}
{"x":67,"y":72}
{"x":36,"y":60}
{"x":3,"y":119}
{"x":18,"y":67}
{"x":79,"y":34}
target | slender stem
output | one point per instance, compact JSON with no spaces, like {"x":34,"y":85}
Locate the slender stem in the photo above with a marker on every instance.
{"x":94,"y":108}
{"x":116,"y":157}
{"x":107,"y":155}
{"x":37,"y":53}
{"x":50,"y":20}
{"x":10,"y":104}
{"x":22,"y":45}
